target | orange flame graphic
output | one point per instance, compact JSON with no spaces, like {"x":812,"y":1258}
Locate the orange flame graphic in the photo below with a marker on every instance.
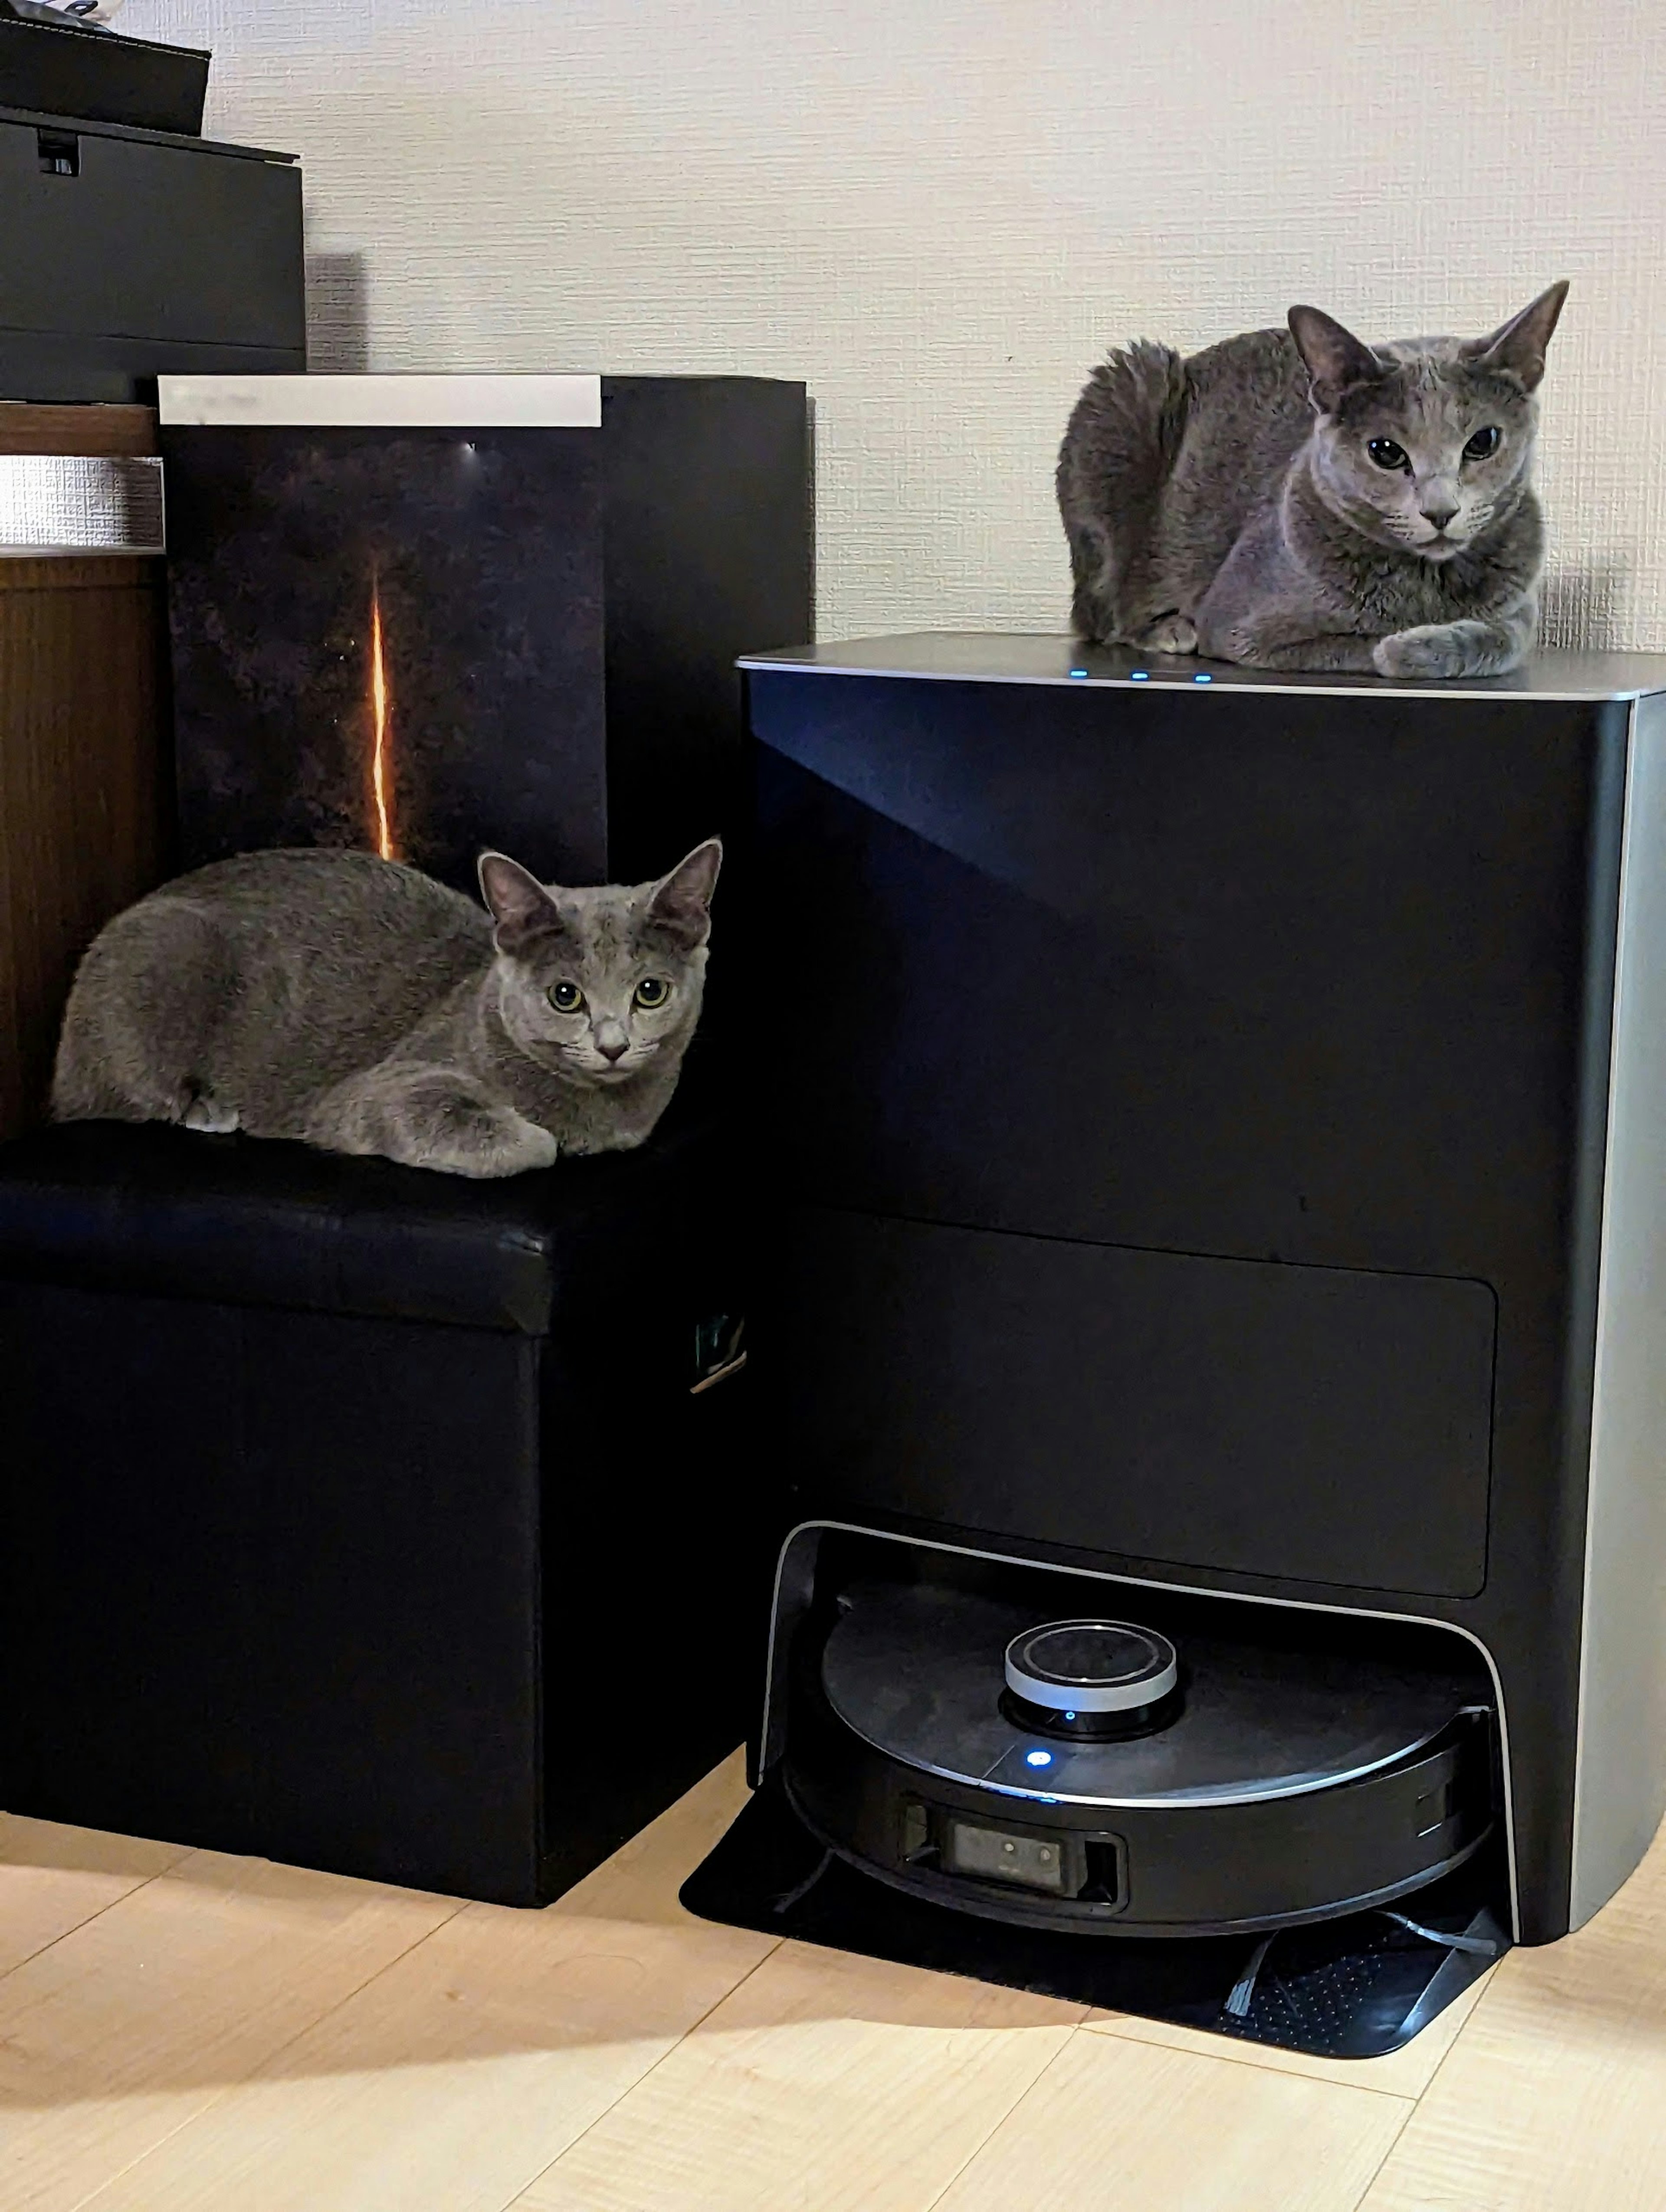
{"x":379,"y":758}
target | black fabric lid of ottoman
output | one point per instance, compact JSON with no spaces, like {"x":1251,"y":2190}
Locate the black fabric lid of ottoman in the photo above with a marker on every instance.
{"x":167,"y":1212}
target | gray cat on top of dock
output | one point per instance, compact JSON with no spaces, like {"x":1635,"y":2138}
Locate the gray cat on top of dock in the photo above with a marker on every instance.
{"x":361,"y":1006}
{"x":1300,"y":500}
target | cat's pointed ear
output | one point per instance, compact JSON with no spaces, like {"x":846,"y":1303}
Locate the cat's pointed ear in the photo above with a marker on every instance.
{"x":518,"y":903}
{"x":681,"y":901}
{"x":1518,"y":349}
{"x":1336,"y":360}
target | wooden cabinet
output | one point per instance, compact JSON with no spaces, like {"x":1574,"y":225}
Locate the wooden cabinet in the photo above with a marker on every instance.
{"x":85,"y":776}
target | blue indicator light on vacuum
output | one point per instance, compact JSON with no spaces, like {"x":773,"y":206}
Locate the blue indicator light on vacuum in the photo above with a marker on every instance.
{"x":1203,"y":679}
{"x":1139,"y":676}
{"x":1070,"y":1716}
{"x":1038,"y":1759}
{"x":1079,"y":672}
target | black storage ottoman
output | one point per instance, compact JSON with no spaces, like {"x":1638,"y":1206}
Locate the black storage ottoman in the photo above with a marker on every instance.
{"x":370,"y":1519}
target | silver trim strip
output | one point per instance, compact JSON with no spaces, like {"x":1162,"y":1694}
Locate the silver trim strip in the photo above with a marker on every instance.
{"x":1217,"y":676}
{"x":393,"y":403}
{"x":1582,"y":1709}
{"x":1619,"y":1780}
{"x":1181,"y":1589}
{"x":1220,"y":680}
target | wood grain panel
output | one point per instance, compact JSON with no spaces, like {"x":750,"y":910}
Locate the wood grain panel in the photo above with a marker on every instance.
{"x":30,"y":426}
{"x":84,"y":772}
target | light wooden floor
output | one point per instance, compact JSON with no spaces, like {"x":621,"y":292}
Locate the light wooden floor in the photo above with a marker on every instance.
{"x":180,"y":2031}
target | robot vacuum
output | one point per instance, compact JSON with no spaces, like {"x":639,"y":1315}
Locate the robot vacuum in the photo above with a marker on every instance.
{"x":1128,"y":1775}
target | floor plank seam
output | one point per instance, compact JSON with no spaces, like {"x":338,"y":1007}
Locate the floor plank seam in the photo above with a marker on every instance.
{"x":1237,"y":2053}
{"x":119,"y":2172}
{"x":258,"y":2073}
{"x":1388,"y":2151}
{"x":63,"y":1934}
{"x":631,"y":2087}
{"x":1017,"y":2105}
{"x":1444,"y":2059}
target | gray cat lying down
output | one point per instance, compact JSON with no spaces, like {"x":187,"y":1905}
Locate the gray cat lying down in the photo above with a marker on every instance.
{"x":1300,"y":500}
{"x":363,"y":1008}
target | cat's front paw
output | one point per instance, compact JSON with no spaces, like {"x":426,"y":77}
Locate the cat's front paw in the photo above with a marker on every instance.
{"x":1173,"y":633}
{"x":1433,"y":650}
{"x":481,"y":1143}
{"x":520,"y":1149}
{"x":211,"y":1116}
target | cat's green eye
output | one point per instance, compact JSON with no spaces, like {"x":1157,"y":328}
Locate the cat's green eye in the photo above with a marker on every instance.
{"x":1484,"y":442}
{"x":566,"y":998}
{"x":653,"y":991}
{"x":1388,"y":455}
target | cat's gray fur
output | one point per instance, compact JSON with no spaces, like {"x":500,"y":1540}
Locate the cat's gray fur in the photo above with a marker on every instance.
{"x":1228,"y":505}
{"x":361,"y":1006}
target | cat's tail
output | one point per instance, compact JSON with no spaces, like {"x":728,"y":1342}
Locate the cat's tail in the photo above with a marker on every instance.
{"x":1119,"y":448}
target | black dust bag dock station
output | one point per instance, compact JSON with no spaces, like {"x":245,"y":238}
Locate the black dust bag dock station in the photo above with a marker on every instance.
{"x":1215,"y":1341}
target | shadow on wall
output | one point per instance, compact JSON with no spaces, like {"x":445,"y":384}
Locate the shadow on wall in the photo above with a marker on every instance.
{"x":337,"y":314}
{"x":810,"y":501}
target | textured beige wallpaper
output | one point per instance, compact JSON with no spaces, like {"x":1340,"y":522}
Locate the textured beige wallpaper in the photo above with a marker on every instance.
{"x":939,"y":214}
